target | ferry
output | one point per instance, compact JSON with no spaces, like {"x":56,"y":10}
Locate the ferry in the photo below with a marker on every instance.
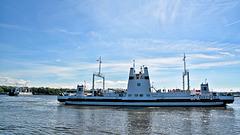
{"x":139,"y":93}
{"x":18,"y":91}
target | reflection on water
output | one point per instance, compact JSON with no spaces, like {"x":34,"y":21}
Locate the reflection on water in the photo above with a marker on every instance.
{"x":44,"y":115}
{"x":139,"y":121}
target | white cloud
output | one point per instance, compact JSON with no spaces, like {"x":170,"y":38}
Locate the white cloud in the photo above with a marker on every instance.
{"x":162,"y":62}
{"x":176,"y":46}
{"x":214,"y":49}
{"x":15,"y":27}
{"x":227,"y":53}
{"x":232,"y":23}
{"x":111,"y":84}
{"x":194,"y":56}
{"x":68,"y":32}
{"x":14,"y":82}
{"x":226,"y":89}
{"x":238,"y":50}
{"x":214,"y":64}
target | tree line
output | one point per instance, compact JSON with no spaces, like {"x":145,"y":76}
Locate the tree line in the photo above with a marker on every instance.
{"x":36,"y":90}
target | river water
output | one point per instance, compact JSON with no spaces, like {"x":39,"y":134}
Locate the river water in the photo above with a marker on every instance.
{"x":41,"y":114}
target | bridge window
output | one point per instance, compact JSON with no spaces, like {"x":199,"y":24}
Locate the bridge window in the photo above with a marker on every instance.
{"x":131,"y":78}
{"x":146,"y":77}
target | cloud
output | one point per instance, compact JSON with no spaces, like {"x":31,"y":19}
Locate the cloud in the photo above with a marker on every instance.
{"x":238,"y":50}
{"x":63,"y":72}
{"x":196,"y":56}
{"x":214,"y":64}
{"x":58,"y":85}
{"x":168,"y":46}
{"x":16,"y":27}
{"x":68,"y":32}
{"x":214,"y":49}
{"x":227,"y":53}
{"x":111,"y":84}
{"x":14,"y":82}
{"x":226,"y":89}
{"x":232,"y":23}
{"x":162,"y":62}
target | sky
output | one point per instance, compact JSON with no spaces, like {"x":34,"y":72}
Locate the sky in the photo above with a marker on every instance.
{"x":56,"y":43}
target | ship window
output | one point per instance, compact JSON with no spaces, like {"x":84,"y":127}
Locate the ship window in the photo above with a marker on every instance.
{"x":129,"y":95}
{"x":136,"y":95}
{"x":205,"y":88}
{"x":141,"y":95}
{"x":146,"y":77}
{"x":131,"y":77}
{"x":148,"y":95}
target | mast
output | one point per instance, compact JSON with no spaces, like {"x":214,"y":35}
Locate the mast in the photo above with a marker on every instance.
{"x":98,"y":75}
{"x":133,"y":64}
{"x":99,"y":65}
{"x":184,"y":57}
{"x":185,"y":73}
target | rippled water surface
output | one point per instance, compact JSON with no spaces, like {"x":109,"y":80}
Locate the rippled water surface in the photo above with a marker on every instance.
{"x":40,"y":114}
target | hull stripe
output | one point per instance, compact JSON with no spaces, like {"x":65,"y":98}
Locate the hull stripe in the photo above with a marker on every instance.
{"x":158,"y":100}
{"x":149,"y":104}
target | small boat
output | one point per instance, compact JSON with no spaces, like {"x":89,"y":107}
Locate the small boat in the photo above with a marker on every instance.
{"x":139,"y":93}
{"x":18,"y":91}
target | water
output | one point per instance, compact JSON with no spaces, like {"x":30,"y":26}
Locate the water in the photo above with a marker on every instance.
{"x":40,"y":114}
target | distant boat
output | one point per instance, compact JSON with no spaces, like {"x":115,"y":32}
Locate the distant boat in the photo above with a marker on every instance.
{"x":18,"y":91}
{"x":140,"y":93}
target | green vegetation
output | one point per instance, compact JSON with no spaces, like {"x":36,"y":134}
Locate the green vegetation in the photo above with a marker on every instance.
{"x":1,"y":90}
{"x":36,"y":91}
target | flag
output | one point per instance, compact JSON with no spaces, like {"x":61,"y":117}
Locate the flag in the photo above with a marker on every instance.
{"x":97,"y":60}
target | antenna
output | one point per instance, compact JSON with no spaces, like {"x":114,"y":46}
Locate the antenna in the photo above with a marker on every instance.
{"x":133,"y":64}
{"x":100,"y":61}
{"x":184,"y":63}
{"x":85,"y":84}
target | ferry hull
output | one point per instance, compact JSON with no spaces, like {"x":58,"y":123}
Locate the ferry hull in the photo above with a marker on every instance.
{"x":62,"y":98}
{"x":149,"y":104}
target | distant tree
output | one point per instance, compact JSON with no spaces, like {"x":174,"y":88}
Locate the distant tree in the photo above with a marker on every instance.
{"x":37,"y":91}
{"x":6,"y":88}
{"x":1,"y":90}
